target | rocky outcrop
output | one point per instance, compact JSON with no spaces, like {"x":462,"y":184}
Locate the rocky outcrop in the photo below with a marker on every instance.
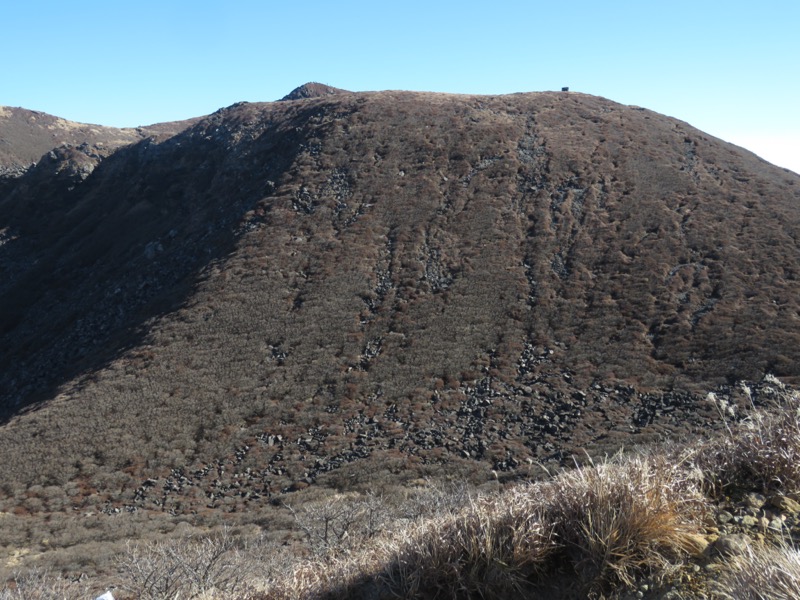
{"x":312,"y":90}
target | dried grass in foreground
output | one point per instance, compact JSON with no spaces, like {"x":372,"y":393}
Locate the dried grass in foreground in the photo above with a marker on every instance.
{"x":587,"y":533}
{"x":762,"y":574}
{"x":591,"y":532}
{"x":761,"y":452}
{"x":45,"y":585}
{"x":592,"y":529}
{"x":218,"y":566}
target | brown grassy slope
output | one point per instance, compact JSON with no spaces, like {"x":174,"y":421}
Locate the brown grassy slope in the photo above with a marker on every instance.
{"x":338,"y":289}
{"x":633,"y":527}
{"x":26,"y":135}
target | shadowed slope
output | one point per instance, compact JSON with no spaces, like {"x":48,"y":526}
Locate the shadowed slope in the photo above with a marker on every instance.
{"x":87,"y":259}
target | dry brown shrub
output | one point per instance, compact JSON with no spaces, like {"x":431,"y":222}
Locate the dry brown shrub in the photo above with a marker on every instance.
{"x":42,"y":584}
{"x":341,"y":524}
{"x":189,"y":568}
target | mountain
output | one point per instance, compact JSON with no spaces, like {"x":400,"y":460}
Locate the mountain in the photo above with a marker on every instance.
{"x":344,"y":288}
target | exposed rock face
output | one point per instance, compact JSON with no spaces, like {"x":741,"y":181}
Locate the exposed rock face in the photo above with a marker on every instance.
{"x":408,"y":279}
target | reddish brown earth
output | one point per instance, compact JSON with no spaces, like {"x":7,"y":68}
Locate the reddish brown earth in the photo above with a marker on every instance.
{"x":355,"y":288}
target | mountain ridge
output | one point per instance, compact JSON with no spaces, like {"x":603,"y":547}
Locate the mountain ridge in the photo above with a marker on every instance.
{"x":27,"y":135}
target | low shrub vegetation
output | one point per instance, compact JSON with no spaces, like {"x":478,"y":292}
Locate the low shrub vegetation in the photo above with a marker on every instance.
{"x":605,"y":524}
{"x":597,"y":530}
{"x":39,"y":584}
{"x":188,"y":569}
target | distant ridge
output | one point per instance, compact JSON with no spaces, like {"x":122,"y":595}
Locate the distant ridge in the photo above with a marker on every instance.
{"x":312,"y":90}
{"x":26,"y":136}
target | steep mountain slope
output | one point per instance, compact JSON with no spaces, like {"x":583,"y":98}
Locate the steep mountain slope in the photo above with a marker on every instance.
{"x":333,"y":289}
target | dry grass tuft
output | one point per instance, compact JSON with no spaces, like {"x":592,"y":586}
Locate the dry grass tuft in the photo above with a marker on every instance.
{"x":762,"y":573}
{"x":762,"y":451}
{"x":491,"y":549}
{"x":600,"y":526}
{"x":496,"y":547}
{"x":616,"y":521}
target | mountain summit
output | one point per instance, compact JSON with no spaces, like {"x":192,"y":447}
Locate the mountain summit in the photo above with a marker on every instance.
{"x":313,"y":90}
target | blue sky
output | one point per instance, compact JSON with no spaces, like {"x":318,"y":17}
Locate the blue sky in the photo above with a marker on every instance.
{"x":730,"y":68}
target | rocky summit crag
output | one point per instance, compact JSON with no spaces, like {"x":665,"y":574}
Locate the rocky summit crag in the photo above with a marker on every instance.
{"x":342,"y":287}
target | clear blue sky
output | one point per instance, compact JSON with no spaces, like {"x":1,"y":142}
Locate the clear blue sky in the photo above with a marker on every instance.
{"x":731,"y":68}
